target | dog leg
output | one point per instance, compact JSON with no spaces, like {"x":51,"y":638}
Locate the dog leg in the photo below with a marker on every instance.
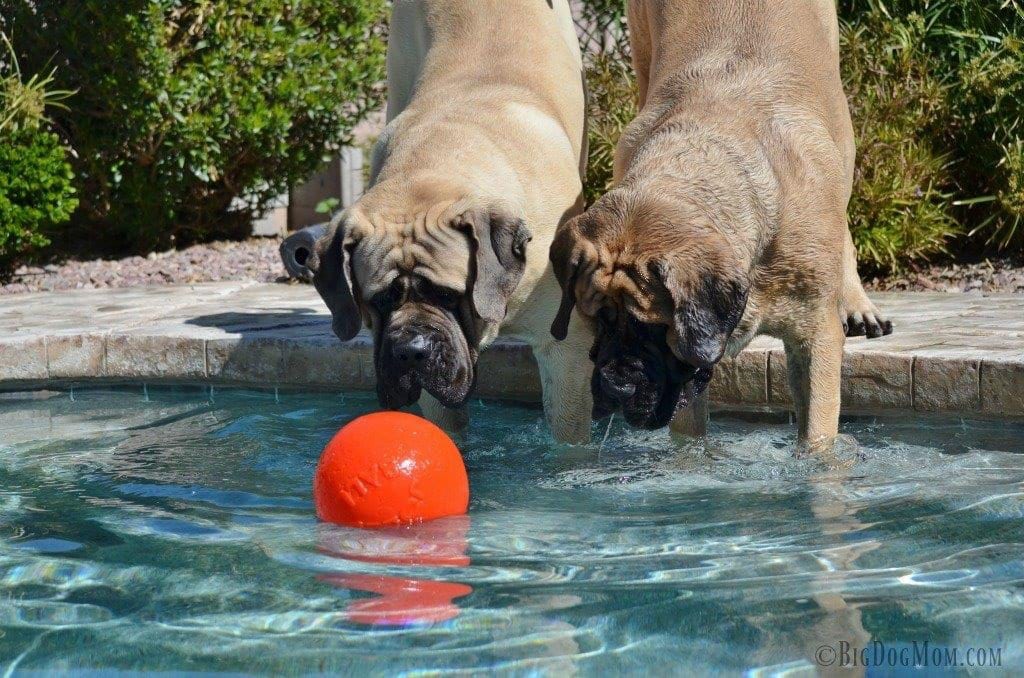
{"x":565,"y":376}
{"x":567,"y":401}
{"x":859,"y":315}
{"x":815,"y":375}
{"x":693,"y":421}
{"x":451,"y":420}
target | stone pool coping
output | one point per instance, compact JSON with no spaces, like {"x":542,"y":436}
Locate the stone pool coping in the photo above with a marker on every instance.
{"x":953,"y":353}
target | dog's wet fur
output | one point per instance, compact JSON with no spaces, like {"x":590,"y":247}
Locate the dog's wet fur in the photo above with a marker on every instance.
{"x":432,"y":286}
{"x":479,"y":164}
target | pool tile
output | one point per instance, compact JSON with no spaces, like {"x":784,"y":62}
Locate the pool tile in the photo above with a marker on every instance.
{"x":327,"y":362}
{"x":947,"y":384}
{"x":23,"y":359}
{"x":512,"y":372}
{"x":877,"y":381}
{"x":1002,"y":387}
{"x":315,"y":361}
{"x":949,"y":353}
{"x":245,"y":360}
{"x":742,"y":380}
{"x":76,"y":356}
{"x":870,"y":381}
{"x":156,"y":357}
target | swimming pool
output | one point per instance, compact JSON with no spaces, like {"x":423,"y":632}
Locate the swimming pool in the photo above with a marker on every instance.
{"x":172,"y":530}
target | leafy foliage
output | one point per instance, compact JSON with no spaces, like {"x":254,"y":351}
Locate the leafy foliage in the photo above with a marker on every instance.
{"x":35,"y":178}
{"x":936,"y":89}
{"x":975,"y":51}
{"x":612,"y":104}
{"x":35,"y":191}
{"x":901,"y":209}
{"x":192,"y":115}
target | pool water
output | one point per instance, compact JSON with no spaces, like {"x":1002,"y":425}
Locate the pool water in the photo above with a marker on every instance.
{"x":173,"y":530}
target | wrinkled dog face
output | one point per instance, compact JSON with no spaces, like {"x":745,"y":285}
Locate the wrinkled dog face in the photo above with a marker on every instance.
{"x":636,"y":373}
{"x":664,"y":309}
{"x":425,"y":337}
{"x":430,"y":286}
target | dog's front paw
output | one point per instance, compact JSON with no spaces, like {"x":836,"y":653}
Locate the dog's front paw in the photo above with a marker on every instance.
{"x":861,"y":317}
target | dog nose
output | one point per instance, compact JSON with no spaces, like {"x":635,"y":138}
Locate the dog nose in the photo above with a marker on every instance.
{"x":615,"y":386}
{"x":617,"y":390}
{"x":412,"y":351}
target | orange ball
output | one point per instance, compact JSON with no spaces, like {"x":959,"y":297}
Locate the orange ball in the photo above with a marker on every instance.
{"x":390,"y":468}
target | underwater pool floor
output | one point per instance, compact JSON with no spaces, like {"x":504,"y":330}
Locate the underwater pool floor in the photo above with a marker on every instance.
{"x":172,"y":530}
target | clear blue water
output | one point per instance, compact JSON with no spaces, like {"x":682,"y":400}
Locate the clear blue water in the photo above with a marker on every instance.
{"x":170,"y":531}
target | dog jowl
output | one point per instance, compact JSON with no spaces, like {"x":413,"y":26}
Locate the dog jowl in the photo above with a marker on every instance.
{"x":430,"y":289}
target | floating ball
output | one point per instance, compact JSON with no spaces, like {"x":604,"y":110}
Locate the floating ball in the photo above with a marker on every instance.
{"x":388,"y":469}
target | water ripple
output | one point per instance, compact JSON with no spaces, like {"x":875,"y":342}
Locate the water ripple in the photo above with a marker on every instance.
{"x":175,"y":533}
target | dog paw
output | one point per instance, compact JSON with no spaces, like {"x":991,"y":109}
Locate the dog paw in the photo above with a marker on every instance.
{"x":862,"y":318}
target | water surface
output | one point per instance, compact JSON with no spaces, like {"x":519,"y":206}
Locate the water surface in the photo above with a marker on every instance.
{"x":172,"y":530}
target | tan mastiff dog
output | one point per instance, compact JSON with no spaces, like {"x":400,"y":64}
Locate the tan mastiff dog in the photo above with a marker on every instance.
{"x":728,"y":219}
{"x":478,"y":166}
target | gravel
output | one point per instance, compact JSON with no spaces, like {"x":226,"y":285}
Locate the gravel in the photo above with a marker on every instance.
{"x":255,"y":259}
{"x":994,"y":275}
{"x":258,"y":260}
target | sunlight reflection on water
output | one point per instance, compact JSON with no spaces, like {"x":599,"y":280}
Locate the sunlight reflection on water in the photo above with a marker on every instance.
{"x":175,"y":533}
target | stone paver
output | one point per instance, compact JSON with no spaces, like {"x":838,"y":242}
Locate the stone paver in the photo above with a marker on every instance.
{"x":947,"y":384}
{"x":950,"y":353}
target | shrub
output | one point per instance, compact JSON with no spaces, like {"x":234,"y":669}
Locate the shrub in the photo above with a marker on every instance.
{"x":612,"y":105}
{"x":612,"y":93}
{"x":1011,"y":193}
{"x":991,"y":88}
{"x":976,"y":49}
{"x":35,"y":178}
{"x":35,"y":191}
{"x":901,"y":209}
{"x":193,"y":115}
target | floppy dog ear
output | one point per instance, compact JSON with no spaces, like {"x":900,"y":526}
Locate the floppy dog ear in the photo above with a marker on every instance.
{"x":708,"y":307}
{"x":330,"y":263}
{"x":500,"y":242}
{"x":565,"y":262}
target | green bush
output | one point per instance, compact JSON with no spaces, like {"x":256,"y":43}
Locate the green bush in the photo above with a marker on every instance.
{"x":35,"y":191}
{"x":191,"y":116}
{"x":975,"y":52}
{"x":901,"y":209}
{"x":936,"y":89}
{"x":35,"y":178}
{"x":612,"y":105}
{"x":611,"y":88}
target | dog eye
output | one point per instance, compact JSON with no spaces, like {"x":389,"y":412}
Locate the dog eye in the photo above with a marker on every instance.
{"x":396,"y":293}
{"x":389,"y":298}
{"x":448,"y":298}
{"x":443,"y":296}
